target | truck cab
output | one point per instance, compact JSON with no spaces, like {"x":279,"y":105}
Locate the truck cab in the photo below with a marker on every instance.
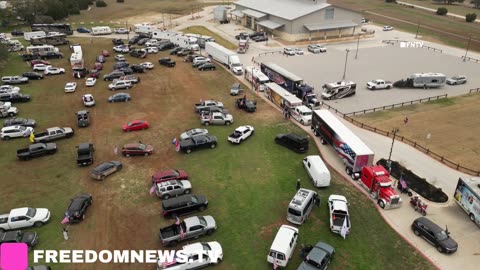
{"x":302,"y":114}
{"x":376,"y":180}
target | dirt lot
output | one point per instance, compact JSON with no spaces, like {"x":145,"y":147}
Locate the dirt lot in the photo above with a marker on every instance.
{"x":447,"y":127}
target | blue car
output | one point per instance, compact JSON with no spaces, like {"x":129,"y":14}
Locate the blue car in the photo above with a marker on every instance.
{"x":83,"y":30}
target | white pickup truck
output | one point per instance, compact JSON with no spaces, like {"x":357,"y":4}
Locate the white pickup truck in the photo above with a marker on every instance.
{"x":379,"y":84}
{"x":23,"y":218}
{"x":338,"y":207}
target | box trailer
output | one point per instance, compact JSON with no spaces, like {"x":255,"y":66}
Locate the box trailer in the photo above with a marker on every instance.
{"x":467,"y":196}
{"x":220,"y":14}
{"x":101,"y":30}
{"x":161,"y":34}
{"x":185,"y":42}
{"x":224,"y":56}
{"x":281,"y":97}
{"x":256,"y":78}
{"x":354,"y":153}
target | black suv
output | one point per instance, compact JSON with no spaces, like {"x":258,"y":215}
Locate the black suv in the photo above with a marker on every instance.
{"x":112,"y":76}
{"x":138,"y":53}
{"x":166,"y":46}
{"x":32,"y":75}
{"x":293,"y":141}
{"x":165,"y":61}
{"x":29,"y":238}
{"x":183,"y":205}
{"x":117,"y":41}
{"x":435,"y":235}
{"x":138,"y":68}
{"x":78,"y":207}
{"x":85,"y":154}
{"x":52,"y":55}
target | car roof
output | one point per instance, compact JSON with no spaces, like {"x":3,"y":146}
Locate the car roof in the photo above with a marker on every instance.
{"x":430,"y":224}
{"x":132,"y":145}
{"x":242,"y":128}
{"x":282,"y":239}
{"x":173,"y":202}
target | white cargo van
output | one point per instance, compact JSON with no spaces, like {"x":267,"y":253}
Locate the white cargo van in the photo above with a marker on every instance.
{"x":317,"y":171}
{"x":283,"y":246}
{"x":301,"y":205}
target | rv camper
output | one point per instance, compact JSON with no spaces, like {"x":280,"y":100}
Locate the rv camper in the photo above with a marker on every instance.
{"x":101,"y":30}
{"x":422,"y":80}
{"x":338,"y":90}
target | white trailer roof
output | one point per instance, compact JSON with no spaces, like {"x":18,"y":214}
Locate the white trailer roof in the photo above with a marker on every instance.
{"x":283,"y":72}
{"x":357,"y":145}
{"x":291,"y":98}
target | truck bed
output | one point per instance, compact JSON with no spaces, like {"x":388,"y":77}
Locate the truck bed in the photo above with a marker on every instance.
{"x":339,"y":219}
{"x":41,"y":134}
{"x":171,"y":231}
{"x":23,"y":151}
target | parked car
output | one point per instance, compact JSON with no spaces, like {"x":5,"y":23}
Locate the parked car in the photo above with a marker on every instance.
{"x":100,"y":172}
{"x":190,"y":58}
{"x":19,"y":122}
{"x":167,"y":175}
{"x":39,"y":61}
{"x":14,"y":80}
{"x":192,"y":227}
{"x":126,"y":70}
{"x":11,"y":132}
{"x":94,"y":73}
{"x":298,"y":51}
{"x":387,"y":28}
{"x":36,"y":150}
{"x":105,"y":53}
{"x":120,"y":58}
{"x":152,"y":50}
{"x":51,"y":55}
{"x":77,"y":209}
{"x":85,"y":154}
{"x":83,"y":30}
{"x":119,"y":97}
{"x":319,"y":257}
{"x":121,"y":31}
{"x":216,"y":118}
{"x":119,"y":84}
{"x":54,"y":71}
{"x":40,"y":67}
{"x":198,"y":142}
{"x":166,"y":46}
{"x":70,"y":87}
{"x":212,"y":254}
{"x":88,"y":100}
{"x":137,"y":149}
{"x":459,"y":79}
{"x":435,"y":235}
{"x":172,"y":188}
{"x":117,"y":41}
{"x":200,"y":60}
{"x":83,"y":118}
{"x":14,"y":97}
{"x":184,"y":205}
{"x":260,"y":38}
{"x":165,"y":61}
{"x":90,"y":82}
{"x":207,"y":66}
{"x":121,"y":49}
{"x":119,"y":65}
{"x":293,"y":141}
{"x":135,"y":125}
{"x":9,"y":89}
{"x":316,"y":48}
{"x":130,"y":78}
{"x":184,"y":52}
{"x":147,"y":65}
{"x":289,"y":51}
{"x":137,"y":69}
{"x":16,"y":33}
{"x":53,"y":133}
{"x":80,"y":73}
{"x":113,"y":75}
{"x":29,"y":238}
{"x":175,"y":50}
{"x":240,"y":134}
{"x":193,"y":132}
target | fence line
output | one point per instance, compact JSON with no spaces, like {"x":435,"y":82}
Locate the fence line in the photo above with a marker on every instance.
{"x":412,"y":143}
{"x":432,"y":48}
{"x":396,"y":105}
{"x":474,"y":90}
{"x":470,"y":59}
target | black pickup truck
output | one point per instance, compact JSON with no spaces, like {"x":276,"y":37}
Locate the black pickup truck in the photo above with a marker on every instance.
{"x":37,"y":150}
{"x":246,"y":104}
{"x":198,"y":141}
{"x":85,"y":154}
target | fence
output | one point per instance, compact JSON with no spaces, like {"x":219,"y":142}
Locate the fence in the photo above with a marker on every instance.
{"x":396,"y":105}
{"x":474,"y":90}
{"x":414,"y":144}
{"x":432,"y":48}
{"x":470,"y":59}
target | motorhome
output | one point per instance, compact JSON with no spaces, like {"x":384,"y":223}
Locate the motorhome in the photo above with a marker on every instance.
{"x":338,"y":90}
{"x":50,"y":40}
{"x":101,"y":30}
{"x":38,"y":34}
{"x":41,"y":49}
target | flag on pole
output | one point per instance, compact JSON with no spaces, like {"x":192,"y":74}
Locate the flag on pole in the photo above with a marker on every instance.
{"x":182,"y":234}
{"x":32,"y":137}
{"x":152,"y":189}
{"x":65,"y":220}
{"x":177,"y":145}
{"x":174,"y":142}
{"x":275,"y":265}
{"x":403,"y":183}
{"x":115,"y":149}
{"x":177,"y":221}
{"x":344,"y":230}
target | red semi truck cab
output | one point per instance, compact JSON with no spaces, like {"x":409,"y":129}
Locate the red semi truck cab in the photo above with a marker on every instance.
{"x":376,"y":180}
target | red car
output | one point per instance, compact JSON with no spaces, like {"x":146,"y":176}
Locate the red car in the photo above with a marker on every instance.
{"x":168,"y":175}
{"x":105,"y":53}
{"x":94,"y":73}
{"x":137,"y":149}
{"x":38,"y":61}
{"x":135,"y":125}
{"x":98,"y":66}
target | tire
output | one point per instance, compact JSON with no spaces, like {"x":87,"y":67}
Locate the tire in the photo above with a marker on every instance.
{"x":381,"y":204}
{"x":348,"y":170}
{"x":187,"y":191}
{"x":322,"y":140}
{"x":127,"y":155}
{"x":210,"y":232}
{"x":212,"y":146}
{"x":6,"y":138}
{"x":38,"y":224}
{"x":424,"y":213}
{"x":440,"y":249}
{"x":374,"y":88}
{"x":302,"y":122}
{"x":227,"y":123}
{"x":416,"y":232}
{"x":388,"y":87}
{"x":472,"y":217}
{"x":206,"y":124}
{"x":188,"y":151}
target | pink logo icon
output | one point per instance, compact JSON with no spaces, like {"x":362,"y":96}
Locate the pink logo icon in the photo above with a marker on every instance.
{"x":14,"y":256}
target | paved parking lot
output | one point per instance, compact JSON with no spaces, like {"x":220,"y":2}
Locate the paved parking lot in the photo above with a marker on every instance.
{"x":388,"y":62}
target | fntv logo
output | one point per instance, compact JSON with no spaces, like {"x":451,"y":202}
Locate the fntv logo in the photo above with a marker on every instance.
{"x":408,"y":44}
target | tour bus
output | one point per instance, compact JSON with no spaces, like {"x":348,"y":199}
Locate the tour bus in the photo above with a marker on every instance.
{"x":301,"y":206}
{"x":467,"y":196}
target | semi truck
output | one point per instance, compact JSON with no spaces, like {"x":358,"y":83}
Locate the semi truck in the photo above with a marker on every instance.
{"x":354,"y":153}
{"x":256,"y":78}
{"x":467,"y":196}
{"x":281,"y":97}
{"x":376,"y":180}
{"x":224,"y":56}
{"x":292,"y":83}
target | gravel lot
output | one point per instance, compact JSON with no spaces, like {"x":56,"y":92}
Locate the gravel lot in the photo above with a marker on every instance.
{"x":389,"y":63}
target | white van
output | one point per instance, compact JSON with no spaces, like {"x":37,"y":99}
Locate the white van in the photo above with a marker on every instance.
{"x":302,"y":114}
{"x":283,"y":246}
{"x":301,"y":205}
{"x":317,"y":171}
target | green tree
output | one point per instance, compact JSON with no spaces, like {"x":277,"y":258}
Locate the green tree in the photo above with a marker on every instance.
{"x":56,"y":9}
{"x":100,"y":3}
{"x":442,"y":11}
{"x":471,"y":17}
{"x":28,"y":9}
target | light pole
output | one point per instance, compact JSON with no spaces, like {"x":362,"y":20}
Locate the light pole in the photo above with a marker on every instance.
{"x":468,"y":46}
{"x":358,"y":42}
{"x":345,"y":68}
{"x":389,"y":161}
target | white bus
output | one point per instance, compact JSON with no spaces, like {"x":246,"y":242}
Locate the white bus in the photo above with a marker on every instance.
{"x":301,"y":206}
{"x":467,"y":195}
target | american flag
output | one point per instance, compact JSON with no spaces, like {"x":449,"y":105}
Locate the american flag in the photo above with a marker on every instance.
{"x":177,"y":145}
{"x":348,"y":150}
{"x":65,"y":220}
{"x":174,"y":141}
{"x":182,"y":234}
{"x":177,"y":221}
{"x":152,"y":189}
{"x":275,"y":265}
{"x":403,"y":183}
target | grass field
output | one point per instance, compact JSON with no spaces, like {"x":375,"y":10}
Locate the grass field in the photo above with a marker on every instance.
{"x":455,"y":8}
{"x":441,"y":29}
{"x":452,"y":124}
{"x":248,"y":186}
{"x":202,"y":30}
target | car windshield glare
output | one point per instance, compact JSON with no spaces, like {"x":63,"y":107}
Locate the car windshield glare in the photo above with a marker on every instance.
{"x":194,"y":200}
{"x":142,"y":146}
{"x":31,"y":212}
{"x":206,"y":246}
{"x":442,"y":235}
{"x":202,"y":221}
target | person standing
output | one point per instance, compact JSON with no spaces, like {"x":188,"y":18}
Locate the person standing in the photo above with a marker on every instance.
{"x":405,"y":120}
{"x":298,"y":184}
{"x":65,"y":233}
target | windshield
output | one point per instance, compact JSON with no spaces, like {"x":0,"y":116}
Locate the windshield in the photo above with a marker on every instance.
{"x":307,"y":113}
{"x":237,"y":65}
{"x":294,"y":212}
{"x":202,"y":221}
{"x":194,"y":200}
{"x":206,"y":246}
{"x":442,"y":236}
{"x":142,"y":146}
{"x":31,"y":212}
{"x":22,"y":128}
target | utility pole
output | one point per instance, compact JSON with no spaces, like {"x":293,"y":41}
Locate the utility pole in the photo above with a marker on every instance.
{"x":389,"y":161}
{"x":358,"y":42}
{"x":418,"y":28}
{"x":128,"y":30}
{"x":345,"y":68}
{"x":163,"y":20}
{"x":468,"y":46}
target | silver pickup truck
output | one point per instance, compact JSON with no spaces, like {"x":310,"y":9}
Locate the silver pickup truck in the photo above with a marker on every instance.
{"x":52,"y":134}
{"x":192,"y":227}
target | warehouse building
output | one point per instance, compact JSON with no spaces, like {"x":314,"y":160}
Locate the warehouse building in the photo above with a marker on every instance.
{"x":295,"y":20}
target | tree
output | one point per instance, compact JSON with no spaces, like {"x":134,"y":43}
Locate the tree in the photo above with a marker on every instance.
{"x":56,"y":9}
{"x":3,"y":53}
{"x":476,"y":3}
{"x":471,"y":17}
{"x":28,"y":9}
{"x":442,"y":11}
{"x":100,"y":3}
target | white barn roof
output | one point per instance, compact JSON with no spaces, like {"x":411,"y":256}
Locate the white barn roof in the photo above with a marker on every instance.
{"x":287,"y":9}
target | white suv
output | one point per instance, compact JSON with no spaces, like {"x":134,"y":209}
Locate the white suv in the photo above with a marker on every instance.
{"x":15,"y":132}
{"x":289,"y":51}
{"x":119,"y":84}
{"x":199,"y":60}
{"x":40,"y":67}
{"x":53,"y":70}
